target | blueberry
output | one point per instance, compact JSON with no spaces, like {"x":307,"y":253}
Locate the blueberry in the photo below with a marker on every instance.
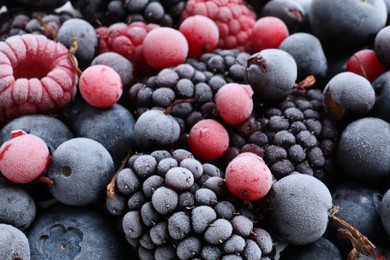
{"x":360,"y":207}
{"x":17,"y":208}
{"x":156,"y":129}
{"x":112,"y":127}
{"x":348,"y":95}
{"x":14,"y":243}
{"x":86,"y":37}
{"x":272,"y":74}
{"x":349,"y":32}
{"x":309,"y":63}
{"x":290,"y":12}
{"x":300,"y":205}
{"x":364,"y":150}
{"x":80,"y":169}
{"x":320,"y":249}
{"x":385,"y":211}
{"x":64,"y":232}
{"x":120,"y":64}
{"x":53,"y":131}
{"x":382,"y":92}
{"x":381,"y":45}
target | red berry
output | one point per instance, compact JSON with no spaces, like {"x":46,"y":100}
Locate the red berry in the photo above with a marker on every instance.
{"x":233,"y":18}
{"x":36,"y":76}
{"x":126,"y":40}
{"x":24,"y":157}
{"x":201,"y":33}
{"x":268,"y":32}
{"x":165,"y":47}
{"x":248,"y":177}
{"x":100,"y":86}
{"x":234,"y":103}
{"x":367,"y":64}
{"x":208,"y":139}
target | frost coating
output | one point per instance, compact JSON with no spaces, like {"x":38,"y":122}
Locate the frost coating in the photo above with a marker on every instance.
{"x":300,"y":205}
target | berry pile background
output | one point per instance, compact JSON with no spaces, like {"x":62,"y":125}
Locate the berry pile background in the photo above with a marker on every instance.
{"x":194,"y":129}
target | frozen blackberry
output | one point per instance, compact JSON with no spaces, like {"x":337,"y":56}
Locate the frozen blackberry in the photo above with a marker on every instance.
{"x":38,"y":22}
{"x":289,"y":137}
{"x":186,"y":92}
{"x":167,"y":220}
{"x":165,"y":13}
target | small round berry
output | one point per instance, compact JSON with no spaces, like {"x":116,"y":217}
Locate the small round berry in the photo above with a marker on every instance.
{"x":268,"y":32}
{"x":202,"y":35}
{"x":208,"y":139}
{"x":234,"y":103}
{"x":165,"y":47}
{"x":248,"y":177}
{"x":24,"y":157}
{"x":367,"y":64}
{"x":101,"y":86}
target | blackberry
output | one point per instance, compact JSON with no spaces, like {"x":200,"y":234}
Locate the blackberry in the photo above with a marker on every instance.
{"x":102,"y":12}
{"x":184,"y":219}
{"x":292,"y":135}
{"x":23,"y":22}
{"x":187,"y":91}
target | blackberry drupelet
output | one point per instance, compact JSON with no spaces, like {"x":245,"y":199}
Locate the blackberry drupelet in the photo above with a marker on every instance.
{"x":101,"y":12}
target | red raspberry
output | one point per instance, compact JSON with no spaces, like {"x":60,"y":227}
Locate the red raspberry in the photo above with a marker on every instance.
{"x":36,"y":76}
{"x":126,"y":40}
{"x":233,"y":18}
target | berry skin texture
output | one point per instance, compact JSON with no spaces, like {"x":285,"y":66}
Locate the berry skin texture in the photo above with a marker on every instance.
{"x":208,"y":139}
{"x":201,"y":33}
{"x":165,"y":47}
{"x":367,"y":64}
{"x":348,"y":95}
{"x":248,"y":177}
{"x":268,"y":32}
{"x":234,"y":103}
{"x":36,"y":76}
{"x":14,"y":243}
{"x":233,"y":18}
{"x":101,"y":86}
{"x":23,"y":158}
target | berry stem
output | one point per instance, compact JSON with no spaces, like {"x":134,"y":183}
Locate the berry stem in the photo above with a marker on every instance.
{"x":44,"y":25}
{"x":360,"y":243}
{"x":306,"y":83}
{"x":46,"y":180}
{"x":110,"y":188}
{"x":176,"y":102}
{"x":72,"y":50}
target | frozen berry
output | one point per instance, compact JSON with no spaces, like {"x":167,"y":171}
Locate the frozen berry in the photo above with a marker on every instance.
{"x":201,"y":33}
{"x":14,"y":243}
{"x":234,"y":103}
{"x":80,"y":169}
{"x":348,"y":95}
{"x":24,"y":157}
{"x":248,"y":177}
{"x":165,"y":47}
{"x":268,"y":32}
{"x":36,"y":76}
{"x":101,"y":86}
{"x":208,"y":139}
{"x":367,"y":64}
{"x":303,"y":200}
{"x":233,"y":18}
{"x":272,"y":74}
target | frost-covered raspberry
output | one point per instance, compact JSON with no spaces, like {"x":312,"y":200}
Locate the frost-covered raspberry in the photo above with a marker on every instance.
{"x":233,"y":18}
{"x":36,"y":76}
